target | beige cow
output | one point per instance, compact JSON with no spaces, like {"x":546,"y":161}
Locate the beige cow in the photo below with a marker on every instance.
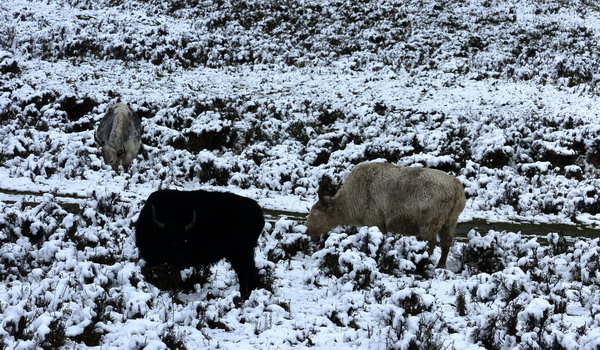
{"x":409,"y":201}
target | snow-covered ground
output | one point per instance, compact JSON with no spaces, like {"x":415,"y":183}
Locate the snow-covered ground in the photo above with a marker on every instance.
{"x":264,"y":99}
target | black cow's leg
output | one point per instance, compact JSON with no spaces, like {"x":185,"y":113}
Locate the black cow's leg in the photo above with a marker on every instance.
{"x":245,"y":269}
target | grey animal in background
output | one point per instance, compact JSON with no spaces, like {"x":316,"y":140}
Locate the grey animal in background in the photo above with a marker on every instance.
{"x":409,"y":201}
{"x":119,"y":135}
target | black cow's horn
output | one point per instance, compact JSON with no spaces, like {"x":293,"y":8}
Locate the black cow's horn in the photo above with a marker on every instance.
{"x":159,"y":224}
{"x":191,"y":224}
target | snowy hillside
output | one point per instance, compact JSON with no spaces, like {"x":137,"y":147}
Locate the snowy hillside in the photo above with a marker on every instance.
{"x":264,"y":98}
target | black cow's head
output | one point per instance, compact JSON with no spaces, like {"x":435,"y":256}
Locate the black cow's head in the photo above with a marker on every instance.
{"x":174,"y":237}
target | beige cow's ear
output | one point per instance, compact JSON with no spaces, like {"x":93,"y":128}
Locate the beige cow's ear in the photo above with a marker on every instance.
{"x":326,"y":187}
{"x":326,"y":200}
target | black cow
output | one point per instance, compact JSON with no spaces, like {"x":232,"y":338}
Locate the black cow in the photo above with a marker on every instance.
{"x":198,"y":228}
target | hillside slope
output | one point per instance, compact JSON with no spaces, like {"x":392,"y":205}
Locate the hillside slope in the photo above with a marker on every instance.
{"x":273,"y":96}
